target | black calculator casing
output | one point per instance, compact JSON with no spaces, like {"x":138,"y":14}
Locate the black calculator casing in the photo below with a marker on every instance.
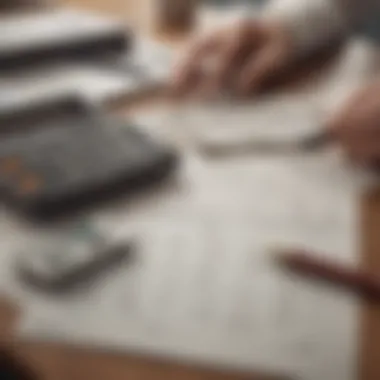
{"x":62,"y":155}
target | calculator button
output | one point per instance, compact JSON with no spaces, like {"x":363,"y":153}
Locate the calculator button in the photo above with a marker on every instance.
{"x":10,"y":165}
{"x":29,"y":184}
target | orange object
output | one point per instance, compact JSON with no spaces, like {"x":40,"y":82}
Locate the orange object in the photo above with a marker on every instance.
{"x":29,"y":184}
{"x":10,"y":165}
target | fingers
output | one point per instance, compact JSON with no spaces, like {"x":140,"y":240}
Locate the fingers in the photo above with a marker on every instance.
{"x":362,"y":150}
{"x":210,"y":64}
{"x":239,"y":60}
{"x":357,"y":130}
{"x":259,"y":69}
{"x":364,"y":153}
{"x":187,"y":72}
{"x":244,"y":40}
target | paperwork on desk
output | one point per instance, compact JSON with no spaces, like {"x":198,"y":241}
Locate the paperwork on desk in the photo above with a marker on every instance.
{"x":143,"y":66}
{"x":203,"y":287}
{"x":142,"y":69}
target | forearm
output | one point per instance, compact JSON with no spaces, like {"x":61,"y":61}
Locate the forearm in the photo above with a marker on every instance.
{"x":315,"y":23}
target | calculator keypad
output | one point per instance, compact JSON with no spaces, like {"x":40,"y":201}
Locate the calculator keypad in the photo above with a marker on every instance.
{"x":72,"y":156}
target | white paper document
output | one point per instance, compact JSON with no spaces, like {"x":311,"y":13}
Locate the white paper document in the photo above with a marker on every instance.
{"x":204,"y":287}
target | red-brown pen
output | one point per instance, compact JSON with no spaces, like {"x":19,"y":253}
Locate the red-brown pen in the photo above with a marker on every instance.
{"x":307,"y":264}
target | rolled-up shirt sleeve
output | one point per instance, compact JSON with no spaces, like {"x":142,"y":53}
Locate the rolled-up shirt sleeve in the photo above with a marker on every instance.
{"x":315,"y":23}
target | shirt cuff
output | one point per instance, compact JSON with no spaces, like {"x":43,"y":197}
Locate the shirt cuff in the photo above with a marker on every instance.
{"x":312,"y":24}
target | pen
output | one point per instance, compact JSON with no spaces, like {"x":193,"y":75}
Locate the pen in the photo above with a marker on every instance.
{"x":259,"y":146}
{"x":307,"y":264}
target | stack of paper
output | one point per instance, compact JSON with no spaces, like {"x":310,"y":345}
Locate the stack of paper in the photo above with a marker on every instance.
{"x":140,"y":68}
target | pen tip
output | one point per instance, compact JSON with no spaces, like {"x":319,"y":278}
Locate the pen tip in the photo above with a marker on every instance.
{"x":283,"y":255}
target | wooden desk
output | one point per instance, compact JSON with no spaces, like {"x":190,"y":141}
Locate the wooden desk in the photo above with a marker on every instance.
{"x":63,"y":363}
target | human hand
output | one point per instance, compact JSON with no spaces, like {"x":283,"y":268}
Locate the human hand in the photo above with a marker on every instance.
{"x":239,"y":60}
{"x":357,"y":125}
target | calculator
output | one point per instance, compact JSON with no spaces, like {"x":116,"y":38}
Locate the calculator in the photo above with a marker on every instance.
{"x":63,"y":154}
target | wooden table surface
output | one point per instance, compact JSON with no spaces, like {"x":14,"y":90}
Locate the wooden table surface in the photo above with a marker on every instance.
{"x":54,"y":362}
